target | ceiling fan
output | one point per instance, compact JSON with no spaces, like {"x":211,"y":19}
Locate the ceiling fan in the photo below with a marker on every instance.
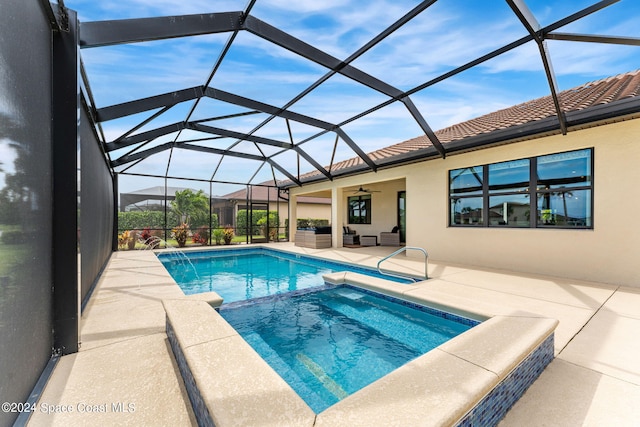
{"x":365,"y":190}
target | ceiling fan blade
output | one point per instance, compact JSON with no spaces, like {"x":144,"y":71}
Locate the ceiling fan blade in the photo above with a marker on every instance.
{"x":365,"y":190}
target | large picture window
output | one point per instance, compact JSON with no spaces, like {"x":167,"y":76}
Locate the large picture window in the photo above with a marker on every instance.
{"x":554,"y":190}
{"x":359,"y":209}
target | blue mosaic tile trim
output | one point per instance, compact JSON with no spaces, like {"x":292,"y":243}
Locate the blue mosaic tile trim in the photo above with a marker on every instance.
{"x":278,"y":297}
{"x":203,"y":417}
{"x":220,"y":252}
{"x":336,"y":265}
{"x":497,"y":403}
{"x":424,"y":308}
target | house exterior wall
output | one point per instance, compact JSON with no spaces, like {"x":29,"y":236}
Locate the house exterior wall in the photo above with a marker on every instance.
{"x":607,"y":253}
{"x":386,"y":183}
{"x":312,"y":210}
{"x":384,"y":212}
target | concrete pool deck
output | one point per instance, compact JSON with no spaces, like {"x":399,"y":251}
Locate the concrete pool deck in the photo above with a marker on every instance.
{"x":125,"y":373}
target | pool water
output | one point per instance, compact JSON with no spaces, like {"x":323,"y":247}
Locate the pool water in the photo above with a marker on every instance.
{"x":328,"y":344}
{"x":238,"y":275}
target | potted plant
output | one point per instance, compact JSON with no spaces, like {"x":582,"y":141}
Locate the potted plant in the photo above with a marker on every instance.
{"x":131,"y":243}
{"x":122,"y":239}
{"x":126,"y":240}
{"x":150,"y":238}
{"x":181,"y":233}
{"x":200,"y":236}
{"x":227,"y":235}
{"x":218,"y":235}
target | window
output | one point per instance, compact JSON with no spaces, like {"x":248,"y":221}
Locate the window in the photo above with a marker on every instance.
{"x":564,"y":189}
{"x":465,"y":189}
{"x":509,"y":193}
{"x":554,"y":190}
{"x":359,"y":209}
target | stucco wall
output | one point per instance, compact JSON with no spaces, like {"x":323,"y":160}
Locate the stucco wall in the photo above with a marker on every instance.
{"x":609,"y":253}
{"x":384,"y":213}
{"x":386,"y":184}
{"x":315,"y":211}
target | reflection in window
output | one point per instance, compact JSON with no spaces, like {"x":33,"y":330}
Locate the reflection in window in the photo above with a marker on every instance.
{"x":569,"y":208}
{"x":359,"y":209}
{"x":466,"y":210}
{"x":467,"y":181}
{"x":509,"y":202}
{"x":465,"y":188}
{"x":560,"y":185}
{"x":509,"y":176}
{"x":572,"y":169}
{"x":513,"y":210}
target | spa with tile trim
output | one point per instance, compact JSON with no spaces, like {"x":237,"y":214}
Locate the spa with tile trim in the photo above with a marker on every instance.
{"x":473,"y":379}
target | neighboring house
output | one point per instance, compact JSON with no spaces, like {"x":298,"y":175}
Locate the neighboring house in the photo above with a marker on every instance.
{"x":152,"y":198}
{"x":513,"y":192}
{"x":264,"y":194}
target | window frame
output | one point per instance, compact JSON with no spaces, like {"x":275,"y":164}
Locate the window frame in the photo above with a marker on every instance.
{"x":351,"y":211}
{"x":471,"y":195}
{"x":531,"y":190}
{"x":511,"y":190}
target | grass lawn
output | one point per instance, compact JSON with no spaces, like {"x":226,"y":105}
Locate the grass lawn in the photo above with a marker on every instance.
{"x":10,"y":256}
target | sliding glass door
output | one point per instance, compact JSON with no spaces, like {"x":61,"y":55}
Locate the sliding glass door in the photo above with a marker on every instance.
{"x":402,"y":218}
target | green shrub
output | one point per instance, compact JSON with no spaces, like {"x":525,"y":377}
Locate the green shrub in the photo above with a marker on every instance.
{"x":273,"y":224}
{"x":311,"y":222}
{"x":192,"y":208}
{"x":259,"y":222}
{"x":218,"y":235}
{"x":13,"y":237}
{"x":138,"y":220}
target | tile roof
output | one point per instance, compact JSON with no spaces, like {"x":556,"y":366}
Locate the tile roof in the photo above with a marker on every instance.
{"x":600,"y":92}
{"x":261,"y":193}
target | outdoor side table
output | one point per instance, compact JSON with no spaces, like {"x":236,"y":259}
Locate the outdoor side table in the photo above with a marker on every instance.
{"x":369,"y":240}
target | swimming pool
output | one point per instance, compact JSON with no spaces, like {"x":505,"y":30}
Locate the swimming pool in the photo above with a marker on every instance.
{"x":327,"y":344}
{"x":241,"y":274}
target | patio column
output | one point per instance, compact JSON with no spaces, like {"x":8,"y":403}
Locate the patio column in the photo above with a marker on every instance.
{"x":337,"y":208}
{"x":293,"y":216}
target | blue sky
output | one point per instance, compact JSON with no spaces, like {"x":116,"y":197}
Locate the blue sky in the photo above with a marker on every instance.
{"x":448,"y":34}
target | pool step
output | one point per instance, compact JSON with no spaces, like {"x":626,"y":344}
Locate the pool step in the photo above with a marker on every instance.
{"x":316,"y":370}
{"x":402,"y":330}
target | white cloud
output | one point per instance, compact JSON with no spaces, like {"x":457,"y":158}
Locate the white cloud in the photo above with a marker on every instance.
{"x":91,"y":10}
{"x":442,"y":38}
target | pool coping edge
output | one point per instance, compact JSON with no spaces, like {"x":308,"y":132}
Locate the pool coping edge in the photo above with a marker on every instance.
{"x":534,"y":334}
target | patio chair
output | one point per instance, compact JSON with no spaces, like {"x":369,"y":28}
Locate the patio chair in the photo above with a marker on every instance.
{"x":391,"y":238}
{"x":349,"y":236}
